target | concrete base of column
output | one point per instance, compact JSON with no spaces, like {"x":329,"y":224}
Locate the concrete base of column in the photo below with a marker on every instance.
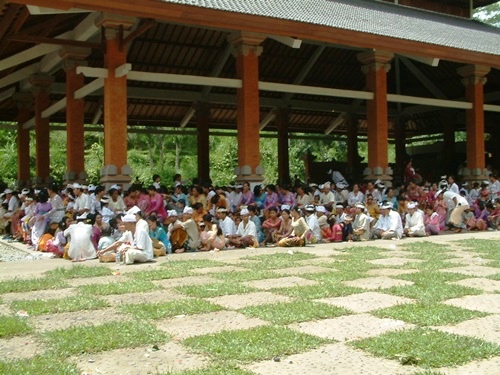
{"x":110,"y":176}
{"x":475,"y":175}
{"x":71,"y":177}
{"x":20,"y":184}
{"x":245,"y":174}
{"x":40,"y":182}
{"x":379,"y":173}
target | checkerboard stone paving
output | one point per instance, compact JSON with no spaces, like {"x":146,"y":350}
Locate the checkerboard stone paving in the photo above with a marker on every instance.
{"x":350,"y":327}
{"x":283,"y":282}
{"x":236,"y":302}
{"x":182,"y":327}
{"x":335,"y":356}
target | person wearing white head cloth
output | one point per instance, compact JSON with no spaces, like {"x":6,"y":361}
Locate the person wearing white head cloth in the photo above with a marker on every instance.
{"x":191,"y":228}
{"x":138,"y":215}
{"x":141,"y":249}
{"x":246,"y":234}
{"x":361,"y":224}
{"x":458,"y":205}
{"x":312,"y":222}
{"x":414,"y":221}
{"x":389,"y":224}
{"x":80,"y":245}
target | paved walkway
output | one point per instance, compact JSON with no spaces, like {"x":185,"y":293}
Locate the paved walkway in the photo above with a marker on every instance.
{"x":334,"y":358}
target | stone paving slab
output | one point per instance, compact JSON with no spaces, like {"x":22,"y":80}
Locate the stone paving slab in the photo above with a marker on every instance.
{"x":487,"y":285}
{"x":240,"y":301}
{"x":39,"y":294}
{"x":94,"y":280}
{"x":170,"y":358}
{"x":397,"y":253}
{"x":184,"y":281}
{"x":350,"y":327}
{"x":390,"y":272}
{"x":76,"y":319}
{"x":487,"y":328}
{"x":365,"y":302}
{"x":303,"y":270}
{"x":485,"y":367}
{"x":331,"y":360}
{"x":202,"y":324}
{"x":489,"y":303}
{"x":156,"y":296}
{"x":20,"y":347}
{"x":477,"y":261}
{"x":381,"y":282}
{"x":473,"y":270}
{"x":321,"y":262}
{"x":284,"y":282}
{"x":395,"y":261}
{"x":207,"y":270}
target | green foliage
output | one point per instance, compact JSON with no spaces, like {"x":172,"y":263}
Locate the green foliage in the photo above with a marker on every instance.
{"x":489,"y":14}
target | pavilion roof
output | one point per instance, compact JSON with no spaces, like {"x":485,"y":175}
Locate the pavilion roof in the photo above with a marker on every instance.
{"x":370,"y":16}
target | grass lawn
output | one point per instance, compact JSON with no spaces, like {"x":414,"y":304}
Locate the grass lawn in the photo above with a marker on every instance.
{"x":228,"y":352}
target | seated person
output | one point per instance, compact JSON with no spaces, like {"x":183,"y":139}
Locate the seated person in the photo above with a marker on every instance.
{"x":80,"y":247}
{"x":270,"y":225}
{"x":246,"y":234}
{"x":389,"y":224}
{"x":141,"y":248}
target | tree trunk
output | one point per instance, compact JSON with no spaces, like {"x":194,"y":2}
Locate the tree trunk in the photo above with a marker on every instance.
{"x":177,"y":156}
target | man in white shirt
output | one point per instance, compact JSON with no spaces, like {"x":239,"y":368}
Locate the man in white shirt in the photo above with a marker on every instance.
{"x":458,"y":205}
{"x":312,"y":222}
{"x":141,"y":250}
{"x":246,"y":234}
{"x":494,"y":186}
{"x":389,"y":225}
{"x":327,"y":198}
{"x":361,"y":224}
{"x":82,"y":203}
{"x":414,"y":221}
{"x":226,"y":224}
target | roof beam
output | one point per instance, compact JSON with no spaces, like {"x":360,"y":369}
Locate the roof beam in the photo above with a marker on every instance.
{"x":57,"y":41}
{"x":335,"y":124}
{"x":54,"y":108}
{"x":19,"y":75}
{"x":27,"y":55}
{"x":216,"y":71}
{"x":429,"y":85}
{"x":89,"y":88}
{"x":4,"y":95}
{"x":298,"y":80}
{"x":428,"y":101}
{"x":287,"y":41}
{"x":431,"y":61}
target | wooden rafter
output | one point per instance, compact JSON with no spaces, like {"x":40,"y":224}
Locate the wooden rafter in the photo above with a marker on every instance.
{"x":45,"y":40}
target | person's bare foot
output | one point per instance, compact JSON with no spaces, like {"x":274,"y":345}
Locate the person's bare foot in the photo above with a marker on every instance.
{"x":179,"y":251}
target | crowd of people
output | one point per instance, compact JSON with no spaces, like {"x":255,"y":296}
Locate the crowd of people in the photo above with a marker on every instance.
{"x":81,"y":222}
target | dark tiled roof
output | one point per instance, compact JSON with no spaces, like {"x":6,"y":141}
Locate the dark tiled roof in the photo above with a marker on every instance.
{"x":370,"y":16}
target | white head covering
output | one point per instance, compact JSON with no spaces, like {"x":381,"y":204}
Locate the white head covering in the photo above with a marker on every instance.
{"x":321,"y":209}
{"x":188,"y":211}
{"x":412,"y":205}
{"x":244,"y":212}
{"x":82,"y":216}
{"x":172,"y":213}
{"x":133,"y":210}
{"x":76,"y":185}
{"x":309,"y":208}
{"x":129,"y":218}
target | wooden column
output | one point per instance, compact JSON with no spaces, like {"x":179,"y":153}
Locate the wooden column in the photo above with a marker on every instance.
{"x":474,"y":81}
{"x":202,"y":127}
{"x":40,"y":87}
{"x":282,"y":119}
{"x":75,"y":152}
{"x":24,"y":101}
{"x":247,"y":52}
{"x":449,"y":162}
{"x":352,"y":147}
{"x":376,"y":64}
{"x":401,"y":156}
{"x":115,"y":170}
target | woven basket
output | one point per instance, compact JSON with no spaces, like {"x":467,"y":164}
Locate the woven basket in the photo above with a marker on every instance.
{"x":159,"y":252}
{"x":107,"y":258}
